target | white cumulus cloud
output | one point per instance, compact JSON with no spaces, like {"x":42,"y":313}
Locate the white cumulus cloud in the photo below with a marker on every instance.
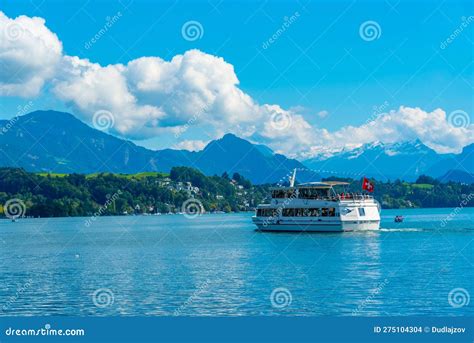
{"x":89,"y":87}
{"x":405,"y":124}
{"x":29,"y":55}
{"x":191,"y":145}
{"x":149,"y":95}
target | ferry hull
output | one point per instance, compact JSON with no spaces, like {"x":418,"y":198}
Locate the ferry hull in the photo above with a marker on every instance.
{"x":299,"y":228}
{"x":320,"y":227}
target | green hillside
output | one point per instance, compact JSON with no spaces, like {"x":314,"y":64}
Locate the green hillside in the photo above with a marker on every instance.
{"x":54,"y":195}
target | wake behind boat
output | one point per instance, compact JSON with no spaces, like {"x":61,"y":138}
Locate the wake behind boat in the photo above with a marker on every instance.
{"x":315,"y":206}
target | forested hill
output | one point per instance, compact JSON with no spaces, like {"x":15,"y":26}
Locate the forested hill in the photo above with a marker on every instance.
{"x":425,"y":192}
{"x":54,"y":195}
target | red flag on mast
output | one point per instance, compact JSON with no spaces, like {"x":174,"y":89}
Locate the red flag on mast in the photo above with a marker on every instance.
{"x":367,"y":185}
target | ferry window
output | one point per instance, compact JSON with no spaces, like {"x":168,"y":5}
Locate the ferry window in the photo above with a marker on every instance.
{"x":289,"y":212}
{"x":306,"y":212}
{"x":311,"y":193}
{"x":302,"y":193}
{"x":361,"y":211}
{"x":282,"y":194}
{"x":332,"y":212}
{"x":315,"y":212}
{"x":259,"y":212}
{"x":307,"y":193}
{"x":324,"y":212}
{"x":268,"y":212}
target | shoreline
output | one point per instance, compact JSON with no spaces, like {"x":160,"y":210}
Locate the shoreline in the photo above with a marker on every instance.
{"x":450,"y":209}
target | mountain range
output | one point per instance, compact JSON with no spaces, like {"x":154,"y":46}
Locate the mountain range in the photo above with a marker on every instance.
{"x":51,"y":141}
{"x":404,"y":160}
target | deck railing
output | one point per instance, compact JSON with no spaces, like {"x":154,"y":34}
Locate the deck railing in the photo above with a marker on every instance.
{"x":338,"y":197}
{"x":354,"y":196}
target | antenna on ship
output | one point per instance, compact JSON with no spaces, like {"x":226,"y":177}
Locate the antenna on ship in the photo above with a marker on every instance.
{"x":293,"y":178}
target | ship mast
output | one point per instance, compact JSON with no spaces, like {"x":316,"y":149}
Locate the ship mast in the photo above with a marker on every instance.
{"x":293,"y":178}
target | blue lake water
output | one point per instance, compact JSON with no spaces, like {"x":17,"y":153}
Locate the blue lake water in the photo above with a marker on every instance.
{"x":218,"y":265}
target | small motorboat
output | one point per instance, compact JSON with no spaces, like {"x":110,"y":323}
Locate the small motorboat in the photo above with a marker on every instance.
{"x":398,"y":219}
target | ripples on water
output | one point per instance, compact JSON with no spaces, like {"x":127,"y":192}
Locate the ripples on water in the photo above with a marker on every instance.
{"x":218,"y":265}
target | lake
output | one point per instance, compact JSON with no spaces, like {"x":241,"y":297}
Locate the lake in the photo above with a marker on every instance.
{"x":218,"y":265}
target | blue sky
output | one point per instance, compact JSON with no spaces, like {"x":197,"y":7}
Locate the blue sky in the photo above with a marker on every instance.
{"x":319,"y":67}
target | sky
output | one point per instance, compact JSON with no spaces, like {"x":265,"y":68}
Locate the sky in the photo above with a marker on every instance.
{"x":303,"y":77}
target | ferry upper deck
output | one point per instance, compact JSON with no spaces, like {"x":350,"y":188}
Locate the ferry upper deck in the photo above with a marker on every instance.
{"x":317,"y":191}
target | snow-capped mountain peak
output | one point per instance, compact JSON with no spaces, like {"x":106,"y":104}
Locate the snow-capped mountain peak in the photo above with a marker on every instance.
{"x":382,"y":160}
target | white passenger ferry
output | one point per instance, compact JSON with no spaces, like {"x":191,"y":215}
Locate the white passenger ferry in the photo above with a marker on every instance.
{"x":316,"y":206}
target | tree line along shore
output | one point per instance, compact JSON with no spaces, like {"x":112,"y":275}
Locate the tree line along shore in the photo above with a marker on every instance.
{"x":63,"y":195}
